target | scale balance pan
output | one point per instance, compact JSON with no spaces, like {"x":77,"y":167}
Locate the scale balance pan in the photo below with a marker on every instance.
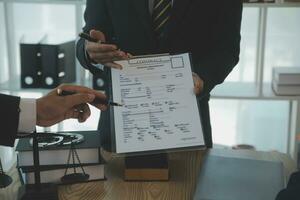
{"x":75,"y":178}
{"x":76,"y":138}
{"x":65,"y":139}
{"x":5,"y":180}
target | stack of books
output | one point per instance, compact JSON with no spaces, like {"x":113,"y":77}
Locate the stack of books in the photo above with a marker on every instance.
{"x":286,"y":80}
{"x":54,"y":160}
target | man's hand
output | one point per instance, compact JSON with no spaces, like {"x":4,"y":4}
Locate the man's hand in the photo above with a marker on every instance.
{"x":102,"y":53}
{"x":198,"y":84}
{"x":53,"y":108}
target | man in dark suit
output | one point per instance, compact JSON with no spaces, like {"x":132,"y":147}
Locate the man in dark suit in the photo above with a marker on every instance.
{"x":21,"y":115}
{"x":209,"y":30}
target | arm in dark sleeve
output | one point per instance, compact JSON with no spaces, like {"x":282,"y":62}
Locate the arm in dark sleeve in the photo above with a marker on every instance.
{"x":96,"y":17}
{"x":9,"y":119}
{"x":292,"y":192}
{"x":223,"y":53}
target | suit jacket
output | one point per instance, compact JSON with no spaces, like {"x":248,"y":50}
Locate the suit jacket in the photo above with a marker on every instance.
{"x":209,"y":30}
{"x":9,"y":119}
{"x":292,"y":192}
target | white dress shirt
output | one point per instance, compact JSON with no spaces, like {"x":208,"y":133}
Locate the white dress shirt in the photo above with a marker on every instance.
{"x":27,"y":118}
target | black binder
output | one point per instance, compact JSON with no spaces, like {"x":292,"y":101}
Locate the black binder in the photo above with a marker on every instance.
{"x":47,"y":65}
{"x":100,"y":81}
{"x":58,"y":64}
{"x":30,"y":65}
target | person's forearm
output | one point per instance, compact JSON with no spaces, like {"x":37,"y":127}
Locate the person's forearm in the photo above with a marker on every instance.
{"x":214,"y":65}
{"x":83,"y":59}
{"x":214,"y":69}
{"x":94,"y":64}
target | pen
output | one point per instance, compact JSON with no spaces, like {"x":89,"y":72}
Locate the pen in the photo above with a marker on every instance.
{"x":88,"y":38}
{"x":96,"y":100}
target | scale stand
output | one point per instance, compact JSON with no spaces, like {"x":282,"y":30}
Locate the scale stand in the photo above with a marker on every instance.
{"x":38,"y":190}
{"x":74,"y":177}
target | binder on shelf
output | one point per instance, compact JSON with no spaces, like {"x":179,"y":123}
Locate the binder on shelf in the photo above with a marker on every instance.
{"x":99,"y":81}
{"x":31,"y":69}
{"x":58,"y":64}
{"x":47,"y":64}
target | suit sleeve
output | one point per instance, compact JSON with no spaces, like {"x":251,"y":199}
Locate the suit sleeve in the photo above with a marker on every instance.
{"x":9,"y":119}
{"x":224,"y":50}
{"x":96,"y":17}
{"x":292,"y":190}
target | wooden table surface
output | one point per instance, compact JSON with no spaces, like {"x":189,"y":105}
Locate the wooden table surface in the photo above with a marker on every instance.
{"x":184,"y":169}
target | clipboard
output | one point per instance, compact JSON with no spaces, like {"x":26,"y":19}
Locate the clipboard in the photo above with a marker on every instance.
{"x":152,"y":151}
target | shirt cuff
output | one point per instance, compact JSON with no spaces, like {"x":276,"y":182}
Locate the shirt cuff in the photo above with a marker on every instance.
{"x":96,"y":65}
{"x":27,"y":120}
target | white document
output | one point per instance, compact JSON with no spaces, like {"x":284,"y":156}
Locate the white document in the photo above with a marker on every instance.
{"x":160,"y":108}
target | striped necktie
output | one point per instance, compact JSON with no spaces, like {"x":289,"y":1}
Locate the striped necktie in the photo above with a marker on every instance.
{"x":161,"y":15}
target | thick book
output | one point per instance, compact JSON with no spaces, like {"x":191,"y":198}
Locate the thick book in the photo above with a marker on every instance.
{"x":285,"y":89}
{"x":88,"y":151}
{"x":286,"y":75}
{"x":53,"y":174}
{"x":223,"y":178}
{"x":160,"y":111}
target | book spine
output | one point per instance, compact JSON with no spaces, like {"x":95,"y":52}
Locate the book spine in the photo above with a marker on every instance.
{"x":58,"y":157}
{"x":54,"y":176}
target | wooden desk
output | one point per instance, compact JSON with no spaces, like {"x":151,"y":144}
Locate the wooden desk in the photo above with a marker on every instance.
{"x":184,"y":169}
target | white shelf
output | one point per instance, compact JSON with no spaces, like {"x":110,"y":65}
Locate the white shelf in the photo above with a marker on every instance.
{"x":273,"y":5}
{"x":250,"y":91}
{"x":15,"y":87}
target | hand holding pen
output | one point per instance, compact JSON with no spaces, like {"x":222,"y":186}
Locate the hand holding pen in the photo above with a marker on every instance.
{"x":101,"y":52}
{"x":73,"y":103}
{"x":53,"y":107}
{"x":96,"y":101}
